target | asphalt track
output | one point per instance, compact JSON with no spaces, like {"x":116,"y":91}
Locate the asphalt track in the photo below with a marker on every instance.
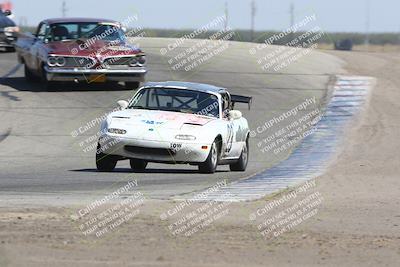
{"x":41,"y":162}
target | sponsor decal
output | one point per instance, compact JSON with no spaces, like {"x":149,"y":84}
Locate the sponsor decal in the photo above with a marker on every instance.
{"x":151,"y":122}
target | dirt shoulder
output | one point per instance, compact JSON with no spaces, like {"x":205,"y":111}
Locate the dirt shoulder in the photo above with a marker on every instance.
{"x":357,"y":223}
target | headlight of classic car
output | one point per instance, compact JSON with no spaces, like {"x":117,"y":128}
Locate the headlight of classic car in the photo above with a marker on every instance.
{"x":116,"y":131}
{"x":138,"y":61}
{"x":60,"y":61}
{"x":56,"y":61}
{"x":142,"y":60}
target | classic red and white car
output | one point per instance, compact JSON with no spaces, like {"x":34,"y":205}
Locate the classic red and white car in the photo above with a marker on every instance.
{"x":81,"y":50}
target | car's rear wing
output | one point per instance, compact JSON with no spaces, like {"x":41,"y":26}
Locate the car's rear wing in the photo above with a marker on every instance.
{"x":241,"y":99}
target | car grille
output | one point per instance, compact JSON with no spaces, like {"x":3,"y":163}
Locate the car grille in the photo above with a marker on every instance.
{"x":150,"y":151}
{"x":118,"y":61}
{"x":80,"y":62}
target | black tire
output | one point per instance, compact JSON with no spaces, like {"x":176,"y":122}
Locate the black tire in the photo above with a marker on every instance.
{"x":138,"y":165}
{"x":132,"y":85}
{"x":10,"y":49}
{"x":112,"y":84}
{"x":47,"y":85}
{"x":241,"y":164}
{"x":211,"y":163}
{"x":29,"y":76}
{"x":105,"y":162}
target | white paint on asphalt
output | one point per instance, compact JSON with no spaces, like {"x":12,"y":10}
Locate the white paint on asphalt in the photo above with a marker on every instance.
{"x":312,"y":156}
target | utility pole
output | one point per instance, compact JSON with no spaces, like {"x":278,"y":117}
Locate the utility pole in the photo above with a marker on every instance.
{"x":23,"y":22}
{"x":291,"y":11}
{"x":399,"y":38}
{"x":64,"y":9}
{"x":253,"y":14}
{"x":367,"y":28}
{"x":226,"y":16}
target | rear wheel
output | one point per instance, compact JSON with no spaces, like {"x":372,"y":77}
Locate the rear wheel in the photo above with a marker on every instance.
{"x":138,"y":165}
{"x":132,"y":85}
{"x":241,"y":164}
{"x":210,"y":165}
{"x":105,"y":162}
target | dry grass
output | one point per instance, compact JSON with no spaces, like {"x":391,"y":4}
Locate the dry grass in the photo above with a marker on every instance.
{"x":363,"y":48}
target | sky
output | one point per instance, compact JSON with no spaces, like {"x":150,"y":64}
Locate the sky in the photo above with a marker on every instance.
{"x":332,"y":15}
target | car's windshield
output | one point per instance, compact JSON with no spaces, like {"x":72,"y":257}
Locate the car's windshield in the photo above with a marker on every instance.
{"x":177,"y":100}
{"x":73,"y":31}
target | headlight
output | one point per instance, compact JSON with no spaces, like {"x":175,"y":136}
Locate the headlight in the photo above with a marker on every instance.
{"x":60,"y":61}
{"x":138,"y":61}
{"x":56,"y":61}
{"x":142,"y":60}
{"x":52,"y":61}
{"x":185,"y":137}
{"x":133,"y":62}
{"x":11,"y":29}
{"x":116,"y":131}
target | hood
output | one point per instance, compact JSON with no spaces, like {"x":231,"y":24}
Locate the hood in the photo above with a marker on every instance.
{"x":6,"y":22}
{"x":153,"y":125}
{"x":95,"y":48}
{"x":156,"y":119}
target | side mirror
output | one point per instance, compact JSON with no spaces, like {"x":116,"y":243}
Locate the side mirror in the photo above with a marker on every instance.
{"x":31,"y":36}
{"x":7,"y":13}
{"x":34,"y":37}
{"x":235,"y":114}
{"x":123,"y":104}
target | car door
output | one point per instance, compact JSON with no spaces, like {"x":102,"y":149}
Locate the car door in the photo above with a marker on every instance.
{"x":228,"y":147}
{"x":239,"y":133}
{"x":33,"y":61}
{"x":235,"y":130}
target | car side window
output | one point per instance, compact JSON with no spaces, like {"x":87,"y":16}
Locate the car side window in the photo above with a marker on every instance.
{"x":41,"y":33}
{"x":225,"y":105}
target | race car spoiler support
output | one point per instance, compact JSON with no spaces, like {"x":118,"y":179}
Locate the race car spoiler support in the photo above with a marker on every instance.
{"x":241,"y":99}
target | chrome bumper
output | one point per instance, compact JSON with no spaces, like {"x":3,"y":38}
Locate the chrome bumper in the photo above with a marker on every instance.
{"x":93,"y":75}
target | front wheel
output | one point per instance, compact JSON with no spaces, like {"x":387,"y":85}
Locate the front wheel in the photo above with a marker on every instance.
{"x":210,"y":165}
{"x":10,"y":49}
{"x":47,"y":85}
{"x":138,"y":165}
{"x":29,"y":76}
{"x":241,"y":164}
{"x":105,"y":162}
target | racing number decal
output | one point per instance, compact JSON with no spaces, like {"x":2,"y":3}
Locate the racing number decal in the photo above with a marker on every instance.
{"x":229,"y":140}
{"x":175,"y":146}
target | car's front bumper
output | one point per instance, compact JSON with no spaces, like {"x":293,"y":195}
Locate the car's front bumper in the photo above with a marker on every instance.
{"x":95,"y":75}
{"x":154,"y":151}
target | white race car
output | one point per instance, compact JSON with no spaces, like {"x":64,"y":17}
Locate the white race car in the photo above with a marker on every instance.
{"x":176,"y":122}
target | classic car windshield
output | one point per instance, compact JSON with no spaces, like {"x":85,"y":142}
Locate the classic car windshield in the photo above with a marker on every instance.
{"x":177,"y":100}
{"x":73,"y":31}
